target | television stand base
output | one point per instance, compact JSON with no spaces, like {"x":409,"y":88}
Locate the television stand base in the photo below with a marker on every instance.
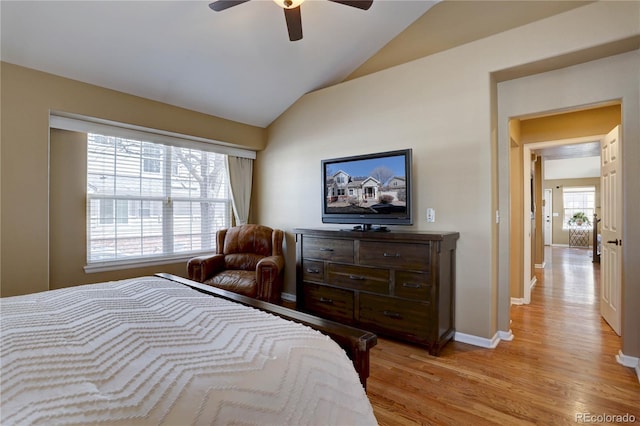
{"x":368,"y":227}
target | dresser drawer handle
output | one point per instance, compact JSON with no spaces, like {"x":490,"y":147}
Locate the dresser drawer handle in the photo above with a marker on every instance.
{"x":411,"y":285}
{"x":356,"y":277}
{"x":327,"y":301}
{"x":313,"y":271}
{"x":392,"y":314}
{"x":385,"y":254}
{"x":326,"y":249}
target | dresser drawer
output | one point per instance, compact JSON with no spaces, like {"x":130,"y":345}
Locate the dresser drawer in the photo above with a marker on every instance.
{"x":327,"y":249}
{"x":328,"y":302}
{"x":358,"y":278}
{"x":413,"y":285}
{"x":312,"y":270}
{"x":380,"y":313}
{"x":395,"y":255}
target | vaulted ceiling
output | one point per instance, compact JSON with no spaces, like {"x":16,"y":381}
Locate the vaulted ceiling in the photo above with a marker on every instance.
{"x":239,"y":64}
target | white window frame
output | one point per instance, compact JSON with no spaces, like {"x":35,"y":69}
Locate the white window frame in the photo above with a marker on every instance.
{"x":83,"y":124}
{"x":568,"y":212}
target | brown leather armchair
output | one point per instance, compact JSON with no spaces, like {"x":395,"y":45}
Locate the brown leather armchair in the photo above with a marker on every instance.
{"x":248,"y":261}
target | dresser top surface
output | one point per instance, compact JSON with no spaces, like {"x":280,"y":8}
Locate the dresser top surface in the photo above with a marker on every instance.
{"x":377,"y":235}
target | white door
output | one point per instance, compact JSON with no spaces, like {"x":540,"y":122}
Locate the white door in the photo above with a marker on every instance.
{"x":610,"y":230}
{"x":546,"y":216}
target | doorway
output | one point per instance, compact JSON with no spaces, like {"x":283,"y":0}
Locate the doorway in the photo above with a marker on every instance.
{"x":570,"y":181}
{"x":554,"y":166}
{"x":534,"y":94}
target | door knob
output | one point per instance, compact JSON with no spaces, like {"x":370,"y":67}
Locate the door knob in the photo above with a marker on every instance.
{"x":613,"y":242}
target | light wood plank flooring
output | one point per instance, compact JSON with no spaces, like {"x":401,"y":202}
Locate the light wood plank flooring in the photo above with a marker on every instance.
{"x":560,"y":363}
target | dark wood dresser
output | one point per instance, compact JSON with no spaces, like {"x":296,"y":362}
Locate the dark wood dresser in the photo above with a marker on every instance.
{"x":398,"y":284}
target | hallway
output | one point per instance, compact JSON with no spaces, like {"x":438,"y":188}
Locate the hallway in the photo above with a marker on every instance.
{"x":565,"y":304}
{"x":561,"y":363}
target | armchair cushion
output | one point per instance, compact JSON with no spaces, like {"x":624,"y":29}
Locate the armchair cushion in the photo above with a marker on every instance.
{"x":242,"y":282}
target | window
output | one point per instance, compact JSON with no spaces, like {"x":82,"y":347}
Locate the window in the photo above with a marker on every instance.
{"x":578,"y":199}
{"x":107,"y":215}
{"x":152,"y":154}
{"x":150,"y":200}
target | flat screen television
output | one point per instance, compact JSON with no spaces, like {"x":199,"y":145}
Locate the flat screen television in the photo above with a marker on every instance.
{"x":370,"y":190}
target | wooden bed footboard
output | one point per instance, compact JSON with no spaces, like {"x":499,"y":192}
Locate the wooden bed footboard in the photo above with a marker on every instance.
{"x":354,"y":341}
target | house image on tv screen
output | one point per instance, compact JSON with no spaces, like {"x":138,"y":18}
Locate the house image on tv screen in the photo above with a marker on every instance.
{"x":378,"y":193}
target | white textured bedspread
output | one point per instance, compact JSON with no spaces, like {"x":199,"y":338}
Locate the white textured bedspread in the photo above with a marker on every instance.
{"x":151,"y":351}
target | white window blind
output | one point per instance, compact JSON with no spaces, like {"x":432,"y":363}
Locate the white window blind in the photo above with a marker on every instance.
{"x":578,"y":199}
{"x":148,"y":200}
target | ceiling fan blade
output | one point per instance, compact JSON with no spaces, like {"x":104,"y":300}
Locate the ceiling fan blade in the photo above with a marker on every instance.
{"x":221,"y":5}
{"x":294,"y":23}
{"x":360,"y":4}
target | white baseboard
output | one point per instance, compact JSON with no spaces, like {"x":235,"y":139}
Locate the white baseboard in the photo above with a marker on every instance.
{"x":483,"y":342}
{"x":629,"y":361}
{"x":507,"y":336}
{"x":525,"y":300}
{"x":288,"y":297}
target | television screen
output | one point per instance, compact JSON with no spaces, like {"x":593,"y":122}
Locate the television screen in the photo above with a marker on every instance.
{"x":370,"y":189}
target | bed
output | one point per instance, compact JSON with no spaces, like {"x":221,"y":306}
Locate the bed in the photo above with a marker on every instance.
{"x":166,"y":350}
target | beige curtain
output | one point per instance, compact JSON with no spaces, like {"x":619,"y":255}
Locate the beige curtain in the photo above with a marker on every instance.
{"x":240,"y":172}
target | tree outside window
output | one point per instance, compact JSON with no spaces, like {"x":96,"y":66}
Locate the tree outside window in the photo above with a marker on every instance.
{"x":152,"y":200}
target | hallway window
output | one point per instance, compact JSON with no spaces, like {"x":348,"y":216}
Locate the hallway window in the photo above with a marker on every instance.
{"x":578,"y":199}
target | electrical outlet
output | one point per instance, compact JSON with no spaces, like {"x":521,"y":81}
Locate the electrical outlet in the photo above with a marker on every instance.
{"x":431,"y":215}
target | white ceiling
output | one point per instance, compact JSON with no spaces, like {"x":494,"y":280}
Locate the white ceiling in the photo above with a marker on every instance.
{"x":571,"y":160}
{"x":572,"y":168}
{"x":570,"y":150}
{"x":237,"y":64}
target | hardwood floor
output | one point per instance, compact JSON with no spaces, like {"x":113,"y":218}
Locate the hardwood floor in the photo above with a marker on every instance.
{"x":560,"y":364}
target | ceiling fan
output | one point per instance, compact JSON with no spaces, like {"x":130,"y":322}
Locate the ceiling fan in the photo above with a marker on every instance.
{"x":291,"y":11}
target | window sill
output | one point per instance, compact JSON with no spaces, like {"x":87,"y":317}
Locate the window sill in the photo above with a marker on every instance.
{"x":137,"y":263}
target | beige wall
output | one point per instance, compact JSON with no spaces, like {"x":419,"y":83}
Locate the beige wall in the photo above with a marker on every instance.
{"x":417,"y":41}
{"x":440,"y":106}
{"x":538,"y":243}
{"x":451,"y":160}
{"x":27,"y":98}
{"x":516,"y":254}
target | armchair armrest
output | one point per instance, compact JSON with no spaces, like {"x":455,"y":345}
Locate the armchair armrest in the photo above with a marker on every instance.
{"x":202,"y":267}
{"x":269,"y":278}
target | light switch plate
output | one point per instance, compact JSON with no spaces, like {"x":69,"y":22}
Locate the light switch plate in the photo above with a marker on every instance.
{"x":431,"y":215}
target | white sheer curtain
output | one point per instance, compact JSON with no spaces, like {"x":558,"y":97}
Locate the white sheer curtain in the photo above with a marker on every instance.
{"x":240,"y":176}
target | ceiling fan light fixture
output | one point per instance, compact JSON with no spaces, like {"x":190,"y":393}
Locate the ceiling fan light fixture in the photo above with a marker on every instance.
{"x":288,"y":4}
{"x":291,"y":11}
